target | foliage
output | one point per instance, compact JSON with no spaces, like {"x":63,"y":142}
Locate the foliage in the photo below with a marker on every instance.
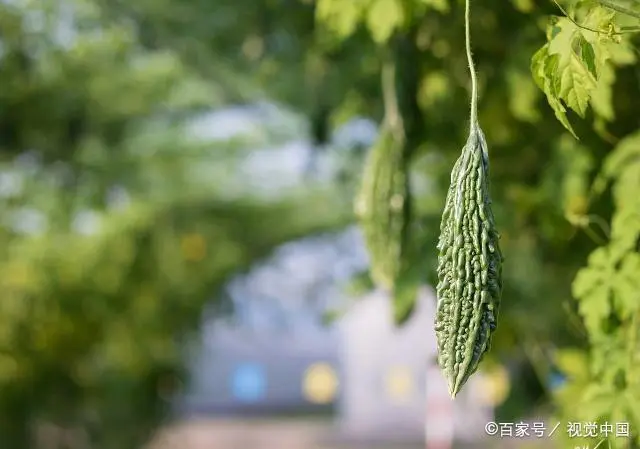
{"x":576,"y":69}
{"x":609,"y":302}
{"x":117,"y":224}
{"x":105,"y":111}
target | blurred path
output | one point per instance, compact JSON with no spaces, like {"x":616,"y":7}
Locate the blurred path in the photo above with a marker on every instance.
{"x":291,"y":434}
{"x":258,"y":434}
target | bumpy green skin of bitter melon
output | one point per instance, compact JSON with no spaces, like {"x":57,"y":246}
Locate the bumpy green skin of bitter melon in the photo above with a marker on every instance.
{"x":469,"y":267}
{"x":382,"y":207}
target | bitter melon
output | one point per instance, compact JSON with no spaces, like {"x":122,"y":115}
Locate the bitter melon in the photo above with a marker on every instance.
{"x":382,"y":207}
{"x":469,"y":258}
{"x":469,"y":267}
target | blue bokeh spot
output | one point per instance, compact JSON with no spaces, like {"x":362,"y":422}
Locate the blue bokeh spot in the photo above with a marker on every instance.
{"x":249,"y":383}
{"x":557,"y":380}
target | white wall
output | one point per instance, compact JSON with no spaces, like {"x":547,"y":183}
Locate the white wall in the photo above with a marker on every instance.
{"x":371,"y":349}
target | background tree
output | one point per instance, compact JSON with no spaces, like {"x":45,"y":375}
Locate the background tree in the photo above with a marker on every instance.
{"x":118,"y":224}
{"x":104,"y":110}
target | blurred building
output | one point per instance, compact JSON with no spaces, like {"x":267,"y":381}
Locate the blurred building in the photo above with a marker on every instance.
{"x":277,"y":352}
{"x":392,"y":387}
{"x":241,"y":372}
{"x":378,"y":381}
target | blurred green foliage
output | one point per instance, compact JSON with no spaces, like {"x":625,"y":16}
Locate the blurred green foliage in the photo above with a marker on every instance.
{"x":553,"y":202}
{"x":94,"y":98}
{"x":118,"y":223}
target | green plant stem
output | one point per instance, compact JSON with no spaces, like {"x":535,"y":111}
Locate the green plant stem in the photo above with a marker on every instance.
{"x":619,"y":8}
{"x":472,"y":68}
{"x":392,"y":116}
{"x":575,"y":321}
{"x":595,"y":237}
{"x":572,"y":20}
{"x":623,"y":30}
{"x":539,"y":363}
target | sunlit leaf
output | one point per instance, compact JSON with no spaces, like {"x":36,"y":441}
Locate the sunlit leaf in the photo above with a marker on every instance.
{"x":384,"y":17}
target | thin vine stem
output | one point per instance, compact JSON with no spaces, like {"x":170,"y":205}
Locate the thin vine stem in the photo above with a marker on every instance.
{"x":539,"y":362}
{"x":572,"y":20}
{"x":392,"y":115}
{"x":621,"y":9}
{"x":472,"y":68}
{"x":623,"y":30}
{"x":574,"y":320}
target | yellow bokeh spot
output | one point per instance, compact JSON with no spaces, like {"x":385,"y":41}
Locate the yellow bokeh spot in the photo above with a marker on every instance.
{"x":576,"y":206}
{"x":320,"y":383}
{"x":523,"y":5}
{"x":433,"y":88}
{"x":194,"y":247}
{"x":495,"y":386}
{"x":400,"y":384}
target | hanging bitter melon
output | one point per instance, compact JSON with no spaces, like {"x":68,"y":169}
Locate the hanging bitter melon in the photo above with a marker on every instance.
{"x":383,"y":207}
{"x":469,"y":258}
{"x":469,"y":267}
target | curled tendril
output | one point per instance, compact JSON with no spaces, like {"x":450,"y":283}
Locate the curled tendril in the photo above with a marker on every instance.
{"x":585,"y":223}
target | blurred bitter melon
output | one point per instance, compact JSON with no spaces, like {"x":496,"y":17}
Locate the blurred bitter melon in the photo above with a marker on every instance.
{"x":382,"y":206}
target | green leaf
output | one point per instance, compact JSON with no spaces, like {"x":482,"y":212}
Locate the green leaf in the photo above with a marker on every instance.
{"x":587,"y":54}
{"x":620,"y":158}
{"x":538,"y":61}
{"x":572,"y":69}
{"x":525,"y":6}
{"x":340,"y":17}
{"x":606,"y":55}
{"x":592,"y":287}
{"x":577,"y":163}
{"x":573,"y":363}
{"x":598,"y":16}
{"x":632,"y":410}
{"x":625,"y":228}
{"x":626,"y":288}
{"x":602,"y":288}
{"x":383,"y":18}
{"x":602,"y":96}
{"x":434,"y":87}
{"x":523,"y":96}
{"x":597,"y":402}
{"x":438,"y":5}
{"x":623,"y":166}
{"x":576,"y":81}
{"x":543,"y":68}
{"x":598,"y":19}
{"x":618,"y":413}
{"x":621,"y":54}
{"x":608,"y":355}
